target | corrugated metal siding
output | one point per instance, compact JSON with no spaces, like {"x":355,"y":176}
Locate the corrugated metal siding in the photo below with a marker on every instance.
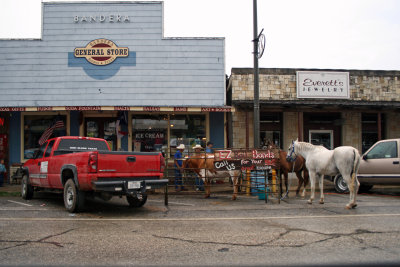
{"x":165,"y":72}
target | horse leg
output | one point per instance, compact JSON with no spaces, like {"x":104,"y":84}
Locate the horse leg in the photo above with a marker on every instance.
{"x":321,"y":188}
{"x":207,"y":187}
{"x":312,"y":181}
{"x":285,"y":176}
{"x":235,"y":181}
{"x":301,"y":181}
{"x":306,"y":180}
{"x":353,"y":185}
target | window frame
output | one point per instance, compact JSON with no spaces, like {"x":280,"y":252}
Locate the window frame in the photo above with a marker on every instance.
{"x":35,"y":113}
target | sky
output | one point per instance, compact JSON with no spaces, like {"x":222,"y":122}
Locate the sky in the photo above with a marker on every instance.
{"x":321,"y":34}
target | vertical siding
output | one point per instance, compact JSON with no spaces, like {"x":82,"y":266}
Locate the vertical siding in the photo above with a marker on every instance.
{"x":160,"y":72}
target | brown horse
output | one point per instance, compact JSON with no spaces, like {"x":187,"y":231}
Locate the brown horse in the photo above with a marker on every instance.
{"x":299,"y":165}
{"x":203,"y":166}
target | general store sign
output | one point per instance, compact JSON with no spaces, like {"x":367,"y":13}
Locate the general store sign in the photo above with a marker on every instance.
{"x":101,"y":52}
{"x":318,"y":84}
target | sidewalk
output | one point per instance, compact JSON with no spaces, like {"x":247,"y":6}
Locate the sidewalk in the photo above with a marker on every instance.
{"x":10,"y":188}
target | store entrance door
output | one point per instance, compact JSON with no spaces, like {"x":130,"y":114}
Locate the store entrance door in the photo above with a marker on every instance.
{"x":321,"y":137}
{"x":102,"y":128}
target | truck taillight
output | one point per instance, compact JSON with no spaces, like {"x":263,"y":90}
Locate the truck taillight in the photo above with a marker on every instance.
{"x":162,"y":163}
{"x":93,"y":162}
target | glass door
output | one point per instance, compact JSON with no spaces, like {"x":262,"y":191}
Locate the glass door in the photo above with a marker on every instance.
{"x":102,"y":127}
{"x":321,"y":137}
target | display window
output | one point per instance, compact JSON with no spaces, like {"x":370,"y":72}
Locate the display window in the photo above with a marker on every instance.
{"x":164,"y":132}
{"x":149,"y":133}
{"x":35,"y":125}
{"x":188,"y":130}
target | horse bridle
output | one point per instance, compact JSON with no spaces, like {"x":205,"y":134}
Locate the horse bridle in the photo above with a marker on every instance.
{"x":290,"y":156}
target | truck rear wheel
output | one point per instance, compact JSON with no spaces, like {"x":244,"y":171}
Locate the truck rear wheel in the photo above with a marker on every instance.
{"x":135,"y":202}
{"x":74,"y":200}
{"x":26,"y":188}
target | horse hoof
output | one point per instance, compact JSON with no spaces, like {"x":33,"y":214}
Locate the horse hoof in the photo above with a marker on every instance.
{"x":321,"y":202}
{"x":309,"y":202}
{"x":234,"y":198}
{"x":206,"y":196}
{"x":351,"y":206}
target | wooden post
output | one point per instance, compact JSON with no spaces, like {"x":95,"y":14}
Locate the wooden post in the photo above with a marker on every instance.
{"x":379,"y":126}
{"x":300,"y":126}
{"x":247,"y":129}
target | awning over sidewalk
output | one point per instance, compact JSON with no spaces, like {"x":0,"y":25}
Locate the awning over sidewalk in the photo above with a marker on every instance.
{"x":124,"y":108}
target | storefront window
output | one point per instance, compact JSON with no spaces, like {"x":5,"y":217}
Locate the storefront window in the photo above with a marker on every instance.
{"x":270,"y":128}
{"x":35,"y":126}
{"x":188,"y":130}
{"x":149,"y":133}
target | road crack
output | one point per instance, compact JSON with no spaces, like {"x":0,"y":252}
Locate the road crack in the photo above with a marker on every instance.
{"x":273,"y":242}
{"x":40,"y":241}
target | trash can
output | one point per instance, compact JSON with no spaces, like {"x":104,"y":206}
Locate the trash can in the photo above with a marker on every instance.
{"x":258,"y":183}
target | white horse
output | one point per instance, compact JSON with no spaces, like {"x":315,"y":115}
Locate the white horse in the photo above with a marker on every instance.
{"x":321,"y":161}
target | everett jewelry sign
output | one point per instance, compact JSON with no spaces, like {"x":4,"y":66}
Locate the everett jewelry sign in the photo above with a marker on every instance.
{"x":318,"y":84}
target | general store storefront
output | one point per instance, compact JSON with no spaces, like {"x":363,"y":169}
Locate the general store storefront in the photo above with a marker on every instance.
{"x":105,"y":70}
{"x":327,"y":107}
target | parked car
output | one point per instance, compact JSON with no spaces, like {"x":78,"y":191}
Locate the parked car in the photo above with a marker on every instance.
{"x":380,"y":165}
{"x":82,"y":166}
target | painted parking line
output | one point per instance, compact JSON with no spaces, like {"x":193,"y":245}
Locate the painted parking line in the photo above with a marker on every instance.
{"x":20,"y":209}
{"x":208,"y":219}
{"x":171,"y":202}
{"x":20,"y":203}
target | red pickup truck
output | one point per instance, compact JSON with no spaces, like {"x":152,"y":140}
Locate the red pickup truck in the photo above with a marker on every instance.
{"x":81,"y":166}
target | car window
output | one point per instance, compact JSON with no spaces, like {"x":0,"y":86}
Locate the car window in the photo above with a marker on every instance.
{"x":383,"y":150}
{"x":49,"y":148}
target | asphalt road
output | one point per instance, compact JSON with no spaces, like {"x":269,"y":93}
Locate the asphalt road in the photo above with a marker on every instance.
{"x":197,"y":231}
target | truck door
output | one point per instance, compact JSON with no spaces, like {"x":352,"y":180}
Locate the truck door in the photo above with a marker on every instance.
{"x":381,"y":161}
{"x":35,"y":169}
{"x":46,"y":170}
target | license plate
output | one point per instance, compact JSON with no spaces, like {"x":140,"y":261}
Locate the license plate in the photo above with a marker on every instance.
{"x":134,"y":185}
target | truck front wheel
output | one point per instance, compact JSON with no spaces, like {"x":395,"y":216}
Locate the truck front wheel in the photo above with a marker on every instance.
{"x":74,"y":200}
{"x":26,"y":188}
{"x":135,"y":202}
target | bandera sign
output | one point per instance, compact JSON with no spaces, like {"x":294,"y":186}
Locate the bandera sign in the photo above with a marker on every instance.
{"x":101,"y":52}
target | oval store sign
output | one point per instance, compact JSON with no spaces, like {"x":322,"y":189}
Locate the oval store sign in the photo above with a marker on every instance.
{"x":101,"y":52}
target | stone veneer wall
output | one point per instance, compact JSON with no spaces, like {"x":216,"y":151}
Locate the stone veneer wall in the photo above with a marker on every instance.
{"x":351,"y":129}
{"x":392,"y":125}
{"x":364,"y":85}
{"x":239,"y":129}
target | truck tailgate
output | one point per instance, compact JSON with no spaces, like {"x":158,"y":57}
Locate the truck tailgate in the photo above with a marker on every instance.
{"x":128,"y":164}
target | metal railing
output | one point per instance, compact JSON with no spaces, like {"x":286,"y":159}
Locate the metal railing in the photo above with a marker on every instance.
{"x":256,"y":177}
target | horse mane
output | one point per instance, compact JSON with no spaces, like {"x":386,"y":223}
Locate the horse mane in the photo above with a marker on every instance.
{"x":309,"y":146}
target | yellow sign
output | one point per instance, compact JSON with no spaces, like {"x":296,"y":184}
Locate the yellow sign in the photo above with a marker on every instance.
{"x":101,"y":52}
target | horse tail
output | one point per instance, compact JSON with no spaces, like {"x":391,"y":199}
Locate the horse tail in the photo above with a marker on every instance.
{"x":356,"y":164}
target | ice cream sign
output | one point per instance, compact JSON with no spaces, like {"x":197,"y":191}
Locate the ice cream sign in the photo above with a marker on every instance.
{"x":101,"y":52}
